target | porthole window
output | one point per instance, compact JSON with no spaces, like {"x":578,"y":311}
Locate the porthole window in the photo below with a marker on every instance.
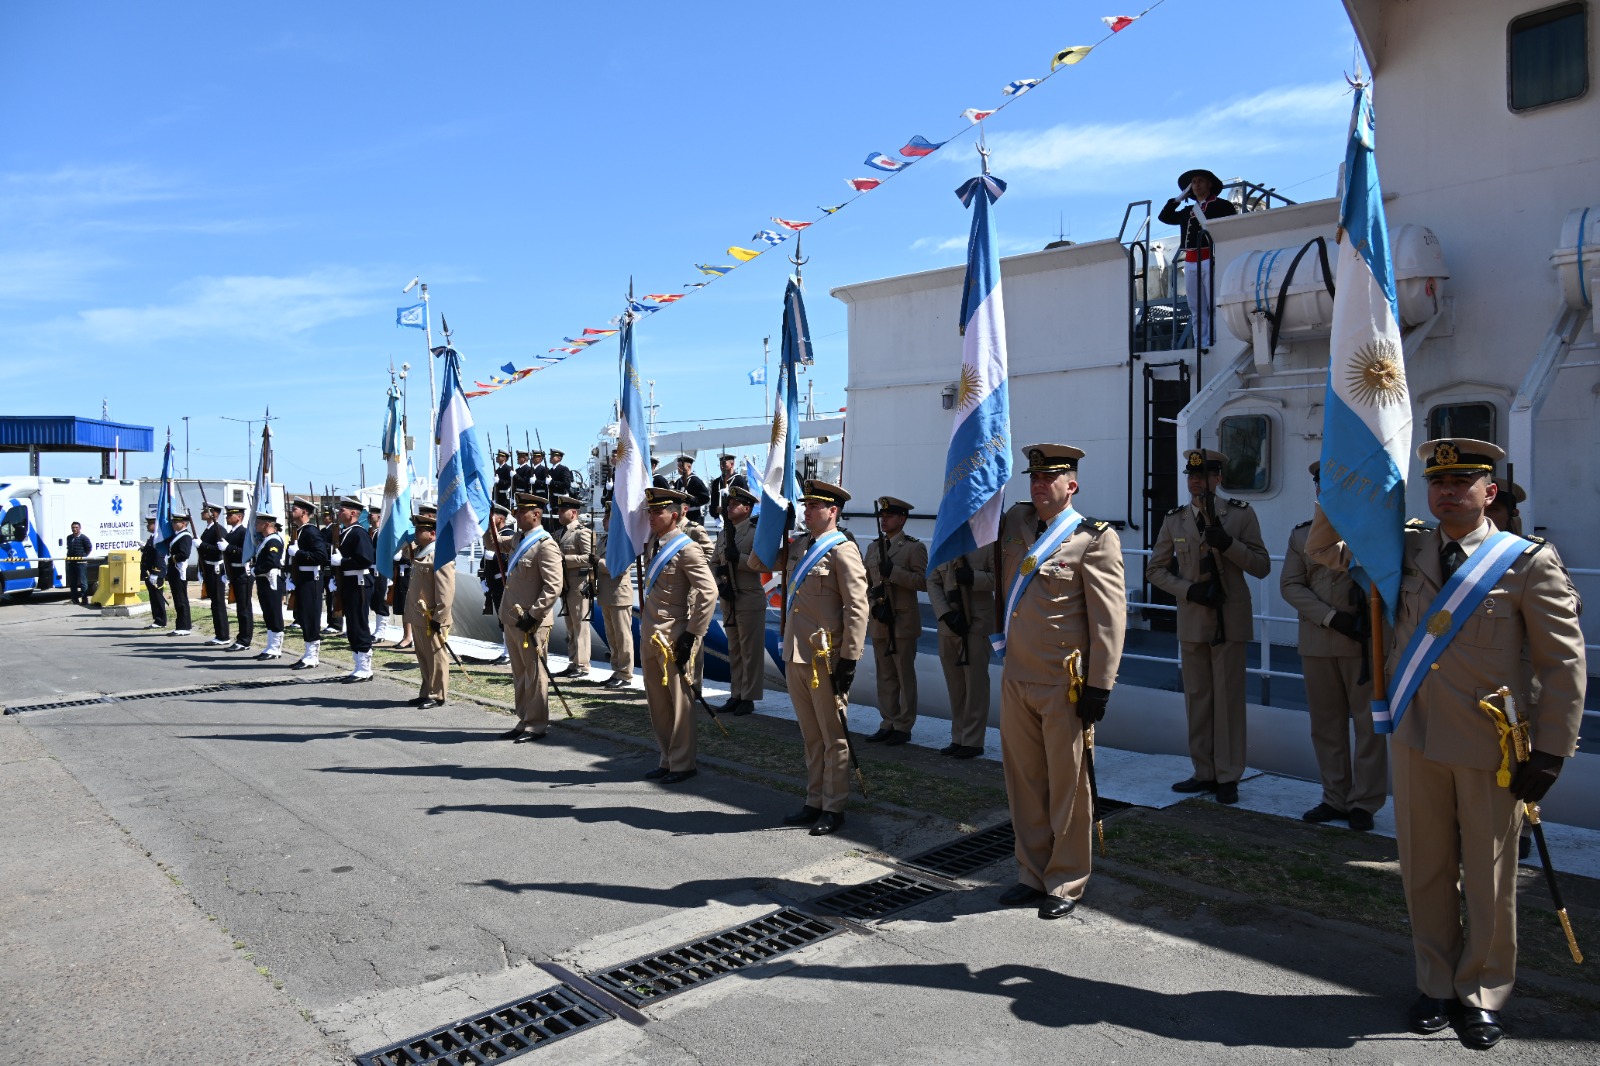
{"x":1246,"y":441}
{"x":1472,"y":420}
{"x":1547,"y":58}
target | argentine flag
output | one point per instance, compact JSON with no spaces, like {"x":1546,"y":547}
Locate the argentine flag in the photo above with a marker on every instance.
{"x":394,"y":525}
{"x":779,"y":488}
{"x":979,"y":461}
{"x":630,"y":521}
{"x":1366,"y":433}
{"x":261,"y":497}
{"x":463,"y":486}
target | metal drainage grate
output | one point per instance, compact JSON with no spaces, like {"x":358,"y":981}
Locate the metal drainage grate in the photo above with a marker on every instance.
{"x":494,"y":1036}
{"x":876,"y":899}
{"x":972,"y":852}
{"x":170,"y":693}
{"x":668,"y":972}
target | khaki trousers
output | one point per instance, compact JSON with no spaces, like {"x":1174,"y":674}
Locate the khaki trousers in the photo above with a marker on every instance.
{"x":1335,"y":700}
{"x":968,"y":685}
{"x":897,"y":679}
{"x":433,"y":660}
{"x":747,"y":650}
{"x":1458,"y":842}
{"x":619,"y":639}
{"x":578,"y":629}
{"x":827,"y":750}
{"x":1213,"y":695}
{"x":1047,"y":785}
{"x":671,"y":711}
{"x":530,"y":686}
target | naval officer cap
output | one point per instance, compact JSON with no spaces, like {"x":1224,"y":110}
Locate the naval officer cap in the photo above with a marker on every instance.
{"x":266,"y":516}
{"x":527,"y":501}
{"x":1449,"y":455}
{"x":1196,"y":460}
{"x":740,"y":494}
{"x":209,"y":509}
{"x":893,"y":505}
{"x":564,"y":501}
{"x":1316,"y":470}
{"x":1052,"y":458}
{"x":557,"y":453}
{"x":726,"y":458}
{"x":500,"y":509}
{"x":502,"y":454}
{"x":815,"y":490}
{"x":182,"y":516}
{"x":521,"y":454}
{"x":425,"y":522}
{"x":686,"y":459}
{"x":537,"y":453}
{"x":1510,"y":489}
{"x":427,"y":508}
{"x":350,"y":503}
{"x":235,"y":510}
{"x":656,"y":497}
{"x":301,"y":504}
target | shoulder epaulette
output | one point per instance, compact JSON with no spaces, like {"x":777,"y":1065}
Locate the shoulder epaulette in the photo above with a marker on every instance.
{"x":1417,"y":523}
{"x":1304,"y":524}
{"x":1535,"y":544}
{"x":1236,"y":503}
{"x":1177,"y":509}
{"x":912,"y":539}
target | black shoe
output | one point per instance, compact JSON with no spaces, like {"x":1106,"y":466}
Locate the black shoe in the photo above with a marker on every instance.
{"x":827,"y":824}
{"x":804,"y":816}
{"x":1477,"y":1028}
{"x":502,"y":661}
{"x":1191,"y":784}
{"x":1020,"y":895}
{"x":895,"y":738}
{"x":1056,"y":907}
{"x":965,"y":752}
{"x":1322,"y":812}
{"x":745,"y":707}
{"x":619,"y":683}
{"x":528,"y":738}
{"x":883,"y":733}
{"x":1360,"y":820}
{"x":1428,"y":1015}
{"x":435,"y":702}
{"x":949,"y":749}
{"x":730,"y":705}
{"x":510,"y":734}
{"x":574,"y":671}
{"x":657,"y":774}
{"x":678,"y":776}
{"x":1228,"y":792}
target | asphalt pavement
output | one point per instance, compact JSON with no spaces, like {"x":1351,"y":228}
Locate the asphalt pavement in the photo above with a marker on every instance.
{"x":309,"y":871}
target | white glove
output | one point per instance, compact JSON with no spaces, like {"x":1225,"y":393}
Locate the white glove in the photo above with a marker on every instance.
{"x":292,"y":549}
{"x":249,"y":570}
{"x":154,"y":581}
{"x":288,"y":585}
{"x":335,"y":559}
{"x":485,"y":585}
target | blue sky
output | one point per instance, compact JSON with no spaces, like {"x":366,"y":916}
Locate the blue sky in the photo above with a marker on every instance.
{"x":210,"y":209}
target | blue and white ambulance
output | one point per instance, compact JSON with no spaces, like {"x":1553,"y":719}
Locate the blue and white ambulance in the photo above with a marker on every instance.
{"x":36,"y":516}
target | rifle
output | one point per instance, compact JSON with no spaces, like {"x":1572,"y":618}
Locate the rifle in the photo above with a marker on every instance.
{"x":881,"y":604}
{"x":1358,"y":605}
{"x":1211,"y":570}
{"x":964,"y":600}
{"x":540,"y":661}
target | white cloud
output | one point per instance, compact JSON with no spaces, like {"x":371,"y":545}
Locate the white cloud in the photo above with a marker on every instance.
{"x":934,"y":244}
{"x":33,"y":276}
{"x":26,"y":197}
{"x":259,"y":307}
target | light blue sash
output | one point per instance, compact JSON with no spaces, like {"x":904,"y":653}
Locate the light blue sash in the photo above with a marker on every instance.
{"x":664,"y":555}
{"x":1449,"y":611}
{"x":824,"y":544}
{"x":1065,"y":524}
{"x":533,"y":537}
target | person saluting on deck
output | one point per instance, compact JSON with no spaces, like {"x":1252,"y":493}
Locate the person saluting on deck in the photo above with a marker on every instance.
{"x":1204,"y":188}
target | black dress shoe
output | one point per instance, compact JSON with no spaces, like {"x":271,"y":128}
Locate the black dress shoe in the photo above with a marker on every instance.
{"x":1228,"y":792}
{"x":964,"y":751}
{"x":1191,"y":784}
{"x":1322,"y":812}
{"x":804,"y":816}
{"x":896,"y":737}
{"x":657,"y":774}
{"x":1477,"y":1028}
{"x":678,"y":776}
{"x":1020,"y":895}
{"x":883,"y":733}
{"x":745,"y":707}
{"x":1428,"y":1015}
{"x":574,"y":671}
{"x":828,"y":823}
{"x":1056,"y":907}
{"x":528,"y":738}
{"x":434,"y":702}
{"x":1360,"y":820}
{"x":949,"y":749}
{"x":510,"y":734}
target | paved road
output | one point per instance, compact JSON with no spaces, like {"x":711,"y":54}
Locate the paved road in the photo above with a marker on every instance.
{"x":398,"y":869}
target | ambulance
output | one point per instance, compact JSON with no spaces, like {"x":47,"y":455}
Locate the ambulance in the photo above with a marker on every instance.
{"x":36,"y":516}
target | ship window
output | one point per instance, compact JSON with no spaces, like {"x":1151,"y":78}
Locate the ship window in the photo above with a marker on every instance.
{"x":1474,"y":421}
{"x":1244,"y":439}
{"x":238,"y":495}
{"x":1548,"y":56}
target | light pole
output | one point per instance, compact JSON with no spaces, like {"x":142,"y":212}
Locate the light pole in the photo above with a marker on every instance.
{"x":433,"y":391}
{"x":249,"y":441}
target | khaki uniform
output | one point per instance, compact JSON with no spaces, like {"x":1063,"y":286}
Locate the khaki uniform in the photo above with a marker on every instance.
{"x":614,"y":599}
{"x":1457,"y":827}
{"x":969,"y":684}
{"x":576,"y":542}
{"x":1213,"y":676}
{"x":745,"y":617}
{"x":532,"y":586}
{"x":708,"y":545}
{"x":436,"y":588}
{"x":897,"y":673}
{"x":682,"y":600}
{"x":832,"y":600}
{"x":1076,"y":601}
{"x":1335,"y":695}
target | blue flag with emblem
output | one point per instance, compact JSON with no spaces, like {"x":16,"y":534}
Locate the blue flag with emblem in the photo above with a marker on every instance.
{"x":394,"y":525}
{"x":164,"y":503}
{"x":464,"y":475}
{"x":415,"y":316}
{"x":779,"y":488}
{"x":978,"y":464}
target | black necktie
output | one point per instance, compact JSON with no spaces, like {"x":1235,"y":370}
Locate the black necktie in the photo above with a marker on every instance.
{"x":1451,"y":556}
{"x":1039,"y":529}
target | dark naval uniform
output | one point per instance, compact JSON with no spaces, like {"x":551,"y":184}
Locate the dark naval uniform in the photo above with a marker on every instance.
{"x":150,"y":570}
{"x":213,"y":578}
{"x":308,"y":559}
{"x":178,"y":551}
{"x":356,"y":562}
{"x":268,"y":566}
{"x":239,"y":574}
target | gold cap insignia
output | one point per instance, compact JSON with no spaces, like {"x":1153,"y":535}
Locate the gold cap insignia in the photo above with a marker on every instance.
{"x":1196,"y":460}
{"x":1445,"y":454}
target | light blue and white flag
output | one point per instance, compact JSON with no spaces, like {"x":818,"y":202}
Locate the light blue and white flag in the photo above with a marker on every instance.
{"x":261,"y":496}
{"x":464,"y":475}
{"x":779,"y":489}
{"x":770,"y":236}
{"x":394,"y":525}
{"x":978,"y":464}
{"x":1020,"y":86}
{"x":164,"y":503}
{"x":752,"y":478}
{"x":1366,"y":430}
{"x":630,"y":464}
{"x":758,"y":376}
{"x":415,"y":316}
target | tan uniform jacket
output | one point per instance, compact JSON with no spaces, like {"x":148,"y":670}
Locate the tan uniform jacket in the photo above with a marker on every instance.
{"x":908,"y":575}
{"x":832,"y":598}
{"x":613,"y":591}
{"x":1527,"y":623}
{"x":533,"y":584}
{"x":1179,"y":543}
{"x":746,"y":577}
{"x":576,"y":542}
{"x":1317,"y":592}
{"x":698,"y":534}
{"x":976,"y":600}
{"x":1077,"y":599}
{"x":436,"y":588}
{"x":683,"y":598}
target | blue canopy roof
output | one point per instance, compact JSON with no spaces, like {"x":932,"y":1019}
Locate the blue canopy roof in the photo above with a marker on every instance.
{"x":68,"y":433}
